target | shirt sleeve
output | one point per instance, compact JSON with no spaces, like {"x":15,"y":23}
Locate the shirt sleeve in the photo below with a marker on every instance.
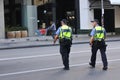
{"x":92,"y":32}
{"x":105,"y":32}
{"x":71,"y":29}
{"x":50,"y":27}
{"x":54,"y":27}
{"x":58,"y":32}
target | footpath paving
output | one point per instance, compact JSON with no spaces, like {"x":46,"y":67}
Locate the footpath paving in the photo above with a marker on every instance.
{"x":43,"y":41}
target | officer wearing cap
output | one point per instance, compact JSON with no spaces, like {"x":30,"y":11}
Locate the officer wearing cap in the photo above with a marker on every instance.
{"x":64,"y":33}
{"x":97,"y":42}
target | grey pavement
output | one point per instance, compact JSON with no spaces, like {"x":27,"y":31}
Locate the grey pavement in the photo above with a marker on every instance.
{"x":44,"y":63}
{"x":44,"y":41}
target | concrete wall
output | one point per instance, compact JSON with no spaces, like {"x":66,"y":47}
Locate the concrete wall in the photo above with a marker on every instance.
{"x":117,"y":17}
{"x":29,"y":17}
{"x":2,"y":25}
{"x":27,"y":2}
{"x":86,"y":15}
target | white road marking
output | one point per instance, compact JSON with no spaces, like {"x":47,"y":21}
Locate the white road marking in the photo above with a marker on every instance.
{"x":47,"y":55}
{"x":52,"y":68}
{"x":38,"y":56}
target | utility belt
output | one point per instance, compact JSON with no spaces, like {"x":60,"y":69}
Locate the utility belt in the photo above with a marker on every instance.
{"x":99,"y":42}
{"x":65,"y":41}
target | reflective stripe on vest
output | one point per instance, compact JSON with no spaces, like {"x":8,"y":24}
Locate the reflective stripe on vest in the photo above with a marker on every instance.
{"x":99,"y":33}
{"x":65,"y":32}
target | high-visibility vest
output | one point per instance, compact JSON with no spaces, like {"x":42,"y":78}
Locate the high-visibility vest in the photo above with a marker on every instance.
{"x":99,"y":33}
{"x":65,"y":32}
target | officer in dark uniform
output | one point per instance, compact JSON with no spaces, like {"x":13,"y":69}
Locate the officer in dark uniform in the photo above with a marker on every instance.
{"x":64,"y":33}
{"x":97,"y":42}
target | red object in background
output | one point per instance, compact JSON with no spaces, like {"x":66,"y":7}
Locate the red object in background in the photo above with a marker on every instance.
{"x":43,"y":31}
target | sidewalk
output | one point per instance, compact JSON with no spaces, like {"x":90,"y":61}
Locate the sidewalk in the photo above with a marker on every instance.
{"x":44,"y":41}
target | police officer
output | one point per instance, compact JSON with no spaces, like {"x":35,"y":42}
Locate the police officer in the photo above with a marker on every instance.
{"x":64,"y":33}
{"x":97,"y":42}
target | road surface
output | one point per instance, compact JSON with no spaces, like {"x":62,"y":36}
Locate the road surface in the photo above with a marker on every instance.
{"x":44,"y":63}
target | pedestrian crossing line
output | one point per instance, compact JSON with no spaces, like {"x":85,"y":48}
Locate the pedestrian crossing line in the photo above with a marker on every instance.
{"x":38,"y":56}
{"x":47,"y":55}
{"x":52,"y":68}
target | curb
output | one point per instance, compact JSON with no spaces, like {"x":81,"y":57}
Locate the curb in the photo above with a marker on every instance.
{"x":47,"y":45}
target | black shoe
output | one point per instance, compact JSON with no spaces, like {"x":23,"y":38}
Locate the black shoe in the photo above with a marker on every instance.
{"x":105,"y":68}
{"x":66,"y":68}
{"x":92,"y":66}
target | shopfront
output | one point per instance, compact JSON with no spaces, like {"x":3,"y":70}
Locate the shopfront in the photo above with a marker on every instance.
{"x":56,"y":10}
{"x":32,"y":14}
{"x":90,"y":9}
{"x":20,"y":13}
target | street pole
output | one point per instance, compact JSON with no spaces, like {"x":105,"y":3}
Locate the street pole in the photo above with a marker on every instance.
{"x":102,"y":16}
{"x":54,"y":10}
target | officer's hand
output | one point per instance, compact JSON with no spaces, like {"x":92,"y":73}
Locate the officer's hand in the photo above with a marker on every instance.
{"x":55,"y":39}
{"x":54,"y":42}
{"x":90,"y":44}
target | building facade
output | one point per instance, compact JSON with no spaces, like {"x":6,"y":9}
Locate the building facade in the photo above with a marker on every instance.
{"x":34,"y":13}
{"x":2,"y":23}
{"x":91,"y":9}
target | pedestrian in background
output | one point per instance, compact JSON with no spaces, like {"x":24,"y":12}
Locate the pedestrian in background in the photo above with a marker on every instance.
{"x":52,"y":28}
{"x":64,"y":33}
{"x":97,"y":42}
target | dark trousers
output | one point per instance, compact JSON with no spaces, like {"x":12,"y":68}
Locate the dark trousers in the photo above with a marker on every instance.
{"x":102,"y":47}
{"x":65,"y":51}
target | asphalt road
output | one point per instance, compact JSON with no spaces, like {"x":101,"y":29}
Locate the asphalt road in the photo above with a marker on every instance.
{"x":44,"y":63}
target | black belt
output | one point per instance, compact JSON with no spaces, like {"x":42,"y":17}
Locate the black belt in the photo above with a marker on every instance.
{"x":99,"y":40}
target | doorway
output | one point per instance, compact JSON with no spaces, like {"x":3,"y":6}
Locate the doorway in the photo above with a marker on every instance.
{"x":12,"y":12}
{"x":68,"y":10}
{"x":109,"y":19}
{"x":63,"y":10}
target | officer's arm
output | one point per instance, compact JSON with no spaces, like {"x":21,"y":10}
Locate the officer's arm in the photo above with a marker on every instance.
{"x":55,"y":39}
{"x":71,"y":33}
{"x":92,"y":36}
{"x":105,"y":34}
{"x":57,"y":35}
{"x":91,"y":40}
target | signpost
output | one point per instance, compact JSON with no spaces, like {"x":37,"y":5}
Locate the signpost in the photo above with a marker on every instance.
{"x":102,"y":16}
